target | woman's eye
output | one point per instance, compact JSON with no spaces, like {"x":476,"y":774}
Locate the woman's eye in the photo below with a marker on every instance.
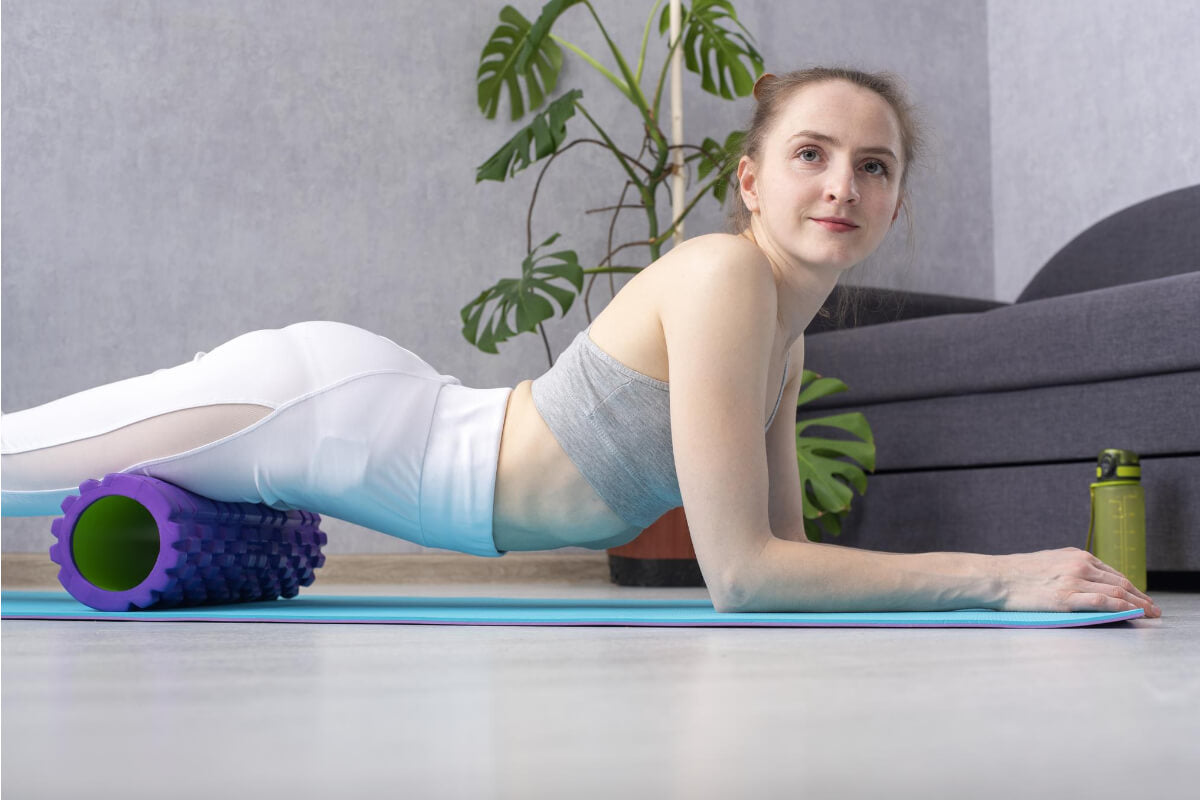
{"x":808,"y":152}
{"x":881,"y":168}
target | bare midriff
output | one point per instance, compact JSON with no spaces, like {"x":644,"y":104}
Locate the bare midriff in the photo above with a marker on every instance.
{"x":542,"y":500}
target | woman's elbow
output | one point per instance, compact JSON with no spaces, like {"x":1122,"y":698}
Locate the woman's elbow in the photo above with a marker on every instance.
{"x":724,"y":606}
{"x":732,"y":596}
{"x":746,"y":587}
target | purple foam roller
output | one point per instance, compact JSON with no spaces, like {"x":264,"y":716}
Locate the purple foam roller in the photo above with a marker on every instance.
{"x":131,"y":542}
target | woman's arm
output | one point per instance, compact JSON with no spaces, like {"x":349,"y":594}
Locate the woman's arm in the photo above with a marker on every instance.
{"x":719,"y":328}
{"x":792,"y":573}
{"x":810,"y":576}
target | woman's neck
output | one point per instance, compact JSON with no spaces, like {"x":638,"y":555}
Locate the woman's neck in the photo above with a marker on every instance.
{"x":802,"y":289}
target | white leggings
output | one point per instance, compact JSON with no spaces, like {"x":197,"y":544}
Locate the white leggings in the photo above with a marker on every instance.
{"x":319,"y":416}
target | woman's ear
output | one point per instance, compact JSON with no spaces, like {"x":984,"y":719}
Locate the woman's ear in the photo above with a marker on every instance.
{"x":747,"y":184}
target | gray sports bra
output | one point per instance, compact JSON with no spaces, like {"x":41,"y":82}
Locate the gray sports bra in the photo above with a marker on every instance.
{"x":615,"y":425}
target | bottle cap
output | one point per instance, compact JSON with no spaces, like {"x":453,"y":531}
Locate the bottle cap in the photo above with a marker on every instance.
{"x":1118,"y":465}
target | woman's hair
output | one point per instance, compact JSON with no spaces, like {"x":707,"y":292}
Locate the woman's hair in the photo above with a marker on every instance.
{"x":772,"y":93}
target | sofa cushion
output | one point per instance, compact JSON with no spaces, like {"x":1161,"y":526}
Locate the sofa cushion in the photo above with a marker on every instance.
{"x":1152,"y":239}
{"x":1152,"y":415}
{"x":1143,"y":328}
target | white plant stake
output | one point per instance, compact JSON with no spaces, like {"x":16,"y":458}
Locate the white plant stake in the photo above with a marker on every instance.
{"x":677,"y":188}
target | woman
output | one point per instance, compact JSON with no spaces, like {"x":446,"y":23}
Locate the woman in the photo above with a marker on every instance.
{"x":333,"y":419}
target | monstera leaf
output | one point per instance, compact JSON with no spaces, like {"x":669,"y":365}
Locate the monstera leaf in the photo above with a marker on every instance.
{"x":521,"y":297}
{"x":705,"y":39}
{"x":824,"y":474}
{"x":499,"y":67}
{"x":722,"y":158}
{"x":544,"y":134}
{"x":540,"y":29}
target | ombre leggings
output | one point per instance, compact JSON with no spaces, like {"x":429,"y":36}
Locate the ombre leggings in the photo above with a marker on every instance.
{"x":320,"y":416}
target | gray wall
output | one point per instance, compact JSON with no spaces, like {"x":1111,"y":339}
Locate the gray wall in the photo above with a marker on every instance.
{"x":1095,"y":107}
{"x":178,"y":173}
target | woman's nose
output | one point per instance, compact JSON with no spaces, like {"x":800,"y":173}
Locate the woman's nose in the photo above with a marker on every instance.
{"x":841,"y":186}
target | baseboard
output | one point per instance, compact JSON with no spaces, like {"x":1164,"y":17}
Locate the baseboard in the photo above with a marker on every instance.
{"x":36,"y":570}
{"x":655,"y":571}
{"x":1178,"y":581}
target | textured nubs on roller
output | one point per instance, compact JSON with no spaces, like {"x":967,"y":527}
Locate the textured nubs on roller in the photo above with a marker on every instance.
{"x":134,"y":542}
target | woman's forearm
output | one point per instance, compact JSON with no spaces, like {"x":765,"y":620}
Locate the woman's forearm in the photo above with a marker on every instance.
{"x":809,"y":576}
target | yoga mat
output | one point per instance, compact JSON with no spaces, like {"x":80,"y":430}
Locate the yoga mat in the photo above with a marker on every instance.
{"x":529,"y":611}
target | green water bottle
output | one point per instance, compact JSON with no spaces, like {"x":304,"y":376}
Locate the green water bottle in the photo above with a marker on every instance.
{"x":1117,"y":531}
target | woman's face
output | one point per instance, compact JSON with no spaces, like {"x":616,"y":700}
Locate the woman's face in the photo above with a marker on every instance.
{"x":833,"y":152}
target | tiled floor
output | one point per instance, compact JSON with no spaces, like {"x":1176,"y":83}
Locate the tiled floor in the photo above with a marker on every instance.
{"x":160,"y":710}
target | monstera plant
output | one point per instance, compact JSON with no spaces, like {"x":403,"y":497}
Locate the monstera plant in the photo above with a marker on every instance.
{"x":520,"y":66}
{"x":521,"y":63}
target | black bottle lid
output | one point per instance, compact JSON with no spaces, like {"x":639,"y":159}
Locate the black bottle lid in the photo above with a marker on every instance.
{"x":1118,"y":465}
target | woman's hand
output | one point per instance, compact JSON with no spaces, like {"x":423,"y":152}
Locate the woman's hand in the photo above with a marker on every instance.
{"x":1067,"y":579}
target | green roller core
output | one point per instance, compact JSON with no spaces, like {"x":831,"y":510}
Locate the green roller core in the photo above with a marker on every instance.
{"x":115,"y":543}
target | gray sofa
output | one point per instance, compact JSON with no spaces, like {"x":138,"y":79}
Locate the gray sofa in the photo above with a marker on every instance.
{"x":988,"y":417}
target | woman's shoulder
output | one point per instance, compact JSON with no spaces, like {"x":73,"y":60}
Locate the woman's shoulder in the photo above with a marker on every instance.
{"x":719,"y":249}
{"x":716,"y":264}
{"x":700,"y":283}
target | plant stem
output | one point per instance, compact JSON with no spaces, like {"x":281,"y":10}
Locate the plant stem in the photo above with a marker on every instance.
{"x":621,"y":157}
{"x":546,"y":166}
{"x":688,"y":208}
{"x":652,"y":129}
{"x":642,"y":188}
{"x":635,"y":90}
{"x":595,"y":64}
{"x":655,"y":240}
{"x":645,"y":38}
{"x":607,"y":270}
{"x":646,"y":243}
{"x":616,"y":207}
{"x":612,"y":227}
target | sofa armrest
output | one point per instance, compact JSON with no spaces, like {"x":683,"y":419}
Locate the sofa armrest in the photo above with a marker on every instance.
{"x":1144,"y":328}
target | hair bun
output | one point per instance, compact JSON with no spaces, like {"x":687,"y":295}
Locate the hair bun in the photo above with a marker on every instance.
{"x":761,"y":83}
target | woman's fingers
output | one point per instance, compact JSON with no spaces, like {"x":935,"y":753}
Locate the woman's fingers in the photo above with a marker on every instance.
{"x":1100,"y":601}
{"x":1106,"y":574}
{"x":1111,"y":575}
{"x":1099,"y":597}
{"x":1117,"y":593}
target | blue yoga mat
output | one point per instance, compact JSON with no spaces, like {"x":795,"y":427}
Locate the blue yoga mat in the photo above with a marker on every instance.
{"x":529,"y":611}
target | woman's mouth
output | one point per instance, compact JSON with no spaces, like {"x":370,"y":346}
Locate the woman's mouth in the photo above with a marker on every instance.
{"x":836,"y":224}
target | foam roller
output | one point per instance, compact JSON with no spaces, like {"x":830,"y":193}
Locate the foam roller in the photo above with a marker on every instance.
{"x":132,"y":542}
